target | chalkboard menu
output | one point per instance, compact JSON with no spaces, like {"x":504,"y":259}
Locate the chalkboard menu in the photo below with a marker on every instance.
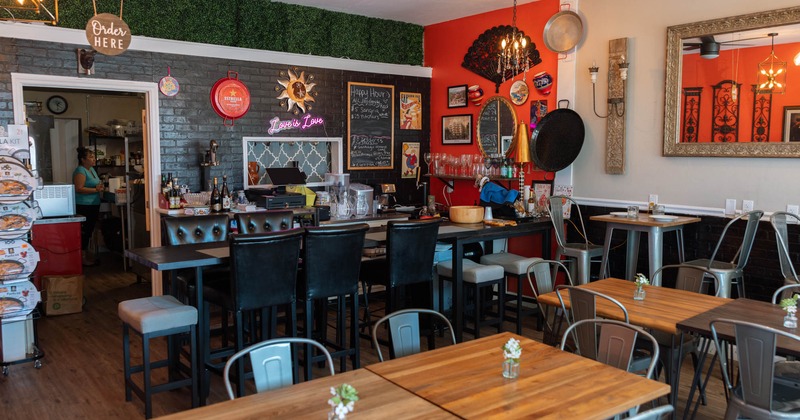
{"x":370,"y":126}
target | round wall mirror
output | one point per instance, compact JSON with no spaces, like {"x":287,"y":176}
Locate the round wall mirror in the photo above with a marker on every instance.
{"x":497,"y":123}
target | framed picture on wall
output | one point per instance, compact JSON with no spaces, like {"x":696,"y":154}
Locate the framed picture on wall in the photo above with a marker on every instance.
{"x":457,"y":129}
{"x":410,"y":159}
{"x":457,"y":96}
{"x":791,"y":123}
{"x":410,"y":111}
{"x":542,"y":191}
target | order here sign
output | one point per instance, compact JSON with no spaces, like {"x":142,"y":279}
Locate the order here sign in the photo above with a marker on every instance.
{"x":108,"y":34}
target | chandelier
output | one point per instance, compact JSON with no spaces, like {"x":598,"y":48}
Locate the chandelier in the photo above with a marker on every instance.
{"x":513,"y":55}
{"x":29,"y":11}
{"x":772,"y":71}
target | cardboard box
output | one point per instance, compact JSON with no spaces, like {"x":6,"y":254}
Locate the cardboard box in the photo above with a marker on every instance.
{"x":63,"y":294}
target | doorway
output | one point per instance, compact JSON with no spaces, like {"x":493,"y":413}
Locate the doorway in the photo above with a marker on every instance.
{"x":151,"y":132}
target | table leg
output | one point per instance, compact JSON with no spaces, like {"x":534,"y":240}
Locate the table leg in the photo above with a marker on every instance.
{"x":679,"y":238}
{"x":697,"y":382}
{"x":655,"y":248}
{"x":606,"y":249}
{"x":458,"y":289}
{"x":631,"y":254}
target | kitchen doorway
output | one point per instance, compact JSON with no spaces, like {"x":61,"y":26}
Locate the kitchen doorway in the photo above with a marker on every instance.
{"x":151,"y":132}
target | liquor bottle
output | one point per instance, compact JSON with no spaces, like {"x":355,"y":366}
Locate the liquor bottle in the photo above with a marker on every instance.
{"x":163,"y":183}
{"x":226,"y":195}
{"x":169,"y":183}
{"x":175,"y":195}
{"x":216,"y":200}
{"x":532,"y":203}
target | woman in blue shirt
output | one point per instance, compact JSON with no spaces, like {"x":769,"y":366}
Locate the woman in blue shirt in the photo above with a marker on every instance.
{"x":87,"y":198}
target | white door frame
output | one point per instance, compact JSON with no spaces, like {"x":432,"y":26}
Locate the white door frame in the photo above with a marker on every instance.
{"x":150,"y":90}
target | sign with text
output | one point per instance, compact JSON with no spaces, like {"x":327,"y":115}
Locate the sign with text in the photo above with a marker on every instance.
{"x":370,"y":126}
{"x":108,"y":34}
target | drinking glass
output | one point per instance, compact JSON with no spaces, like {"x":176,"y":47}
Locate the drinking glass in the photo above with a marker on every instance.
{"x":427,"y":158}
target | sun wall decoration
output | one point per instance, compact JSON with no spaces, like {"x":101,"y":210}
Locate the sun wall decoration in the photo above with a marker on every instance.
{"x":296,"y":91}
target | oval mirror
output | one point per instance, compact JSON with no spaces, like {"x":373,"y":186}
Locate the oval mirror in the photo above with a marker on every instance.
{"x":497,"y":123}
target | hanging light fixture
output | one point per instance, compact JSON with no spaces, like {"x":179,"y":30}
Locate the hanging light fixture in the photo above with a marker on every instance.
{"x":772,"y":71}
{"x":513,"y":55}
{"x":29,"y":11}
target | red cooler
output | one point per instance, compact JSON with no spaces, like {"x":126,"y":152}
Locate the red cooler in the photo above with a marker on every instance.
{"x":59,"y":247}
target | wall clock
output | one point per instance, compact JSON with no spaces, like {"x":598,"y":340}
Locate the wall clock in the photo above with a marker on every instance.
{"x":57,"y":104}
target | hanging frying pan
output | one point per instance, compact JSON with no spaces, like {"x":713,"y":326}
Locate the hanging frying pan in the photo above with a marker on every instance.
{"x":563,"y":31}
{"x":230,"y":98}
{"x":557,"y":140}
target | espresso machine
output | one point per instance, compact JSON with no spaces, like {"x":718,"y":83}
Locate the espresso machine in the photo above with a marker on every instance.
{"x":387,"y":200}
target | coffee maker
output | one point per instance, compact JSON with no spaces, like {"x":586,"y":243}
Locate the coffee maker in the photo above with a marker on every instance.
{"x":387,"y":200}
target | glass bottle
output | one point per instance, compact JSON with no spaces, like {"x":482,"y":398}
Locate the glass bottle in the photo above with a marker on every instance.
{"x":226,"y":195}
{"x":174,"y":195}
{"x":216,"y":199}
{"x":532,"y":204}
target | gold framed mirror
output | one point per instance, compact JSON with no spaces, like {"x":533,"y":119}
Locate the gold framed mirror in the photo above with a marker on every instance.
{"x":497,"y":124}
{"x":678,"y":113}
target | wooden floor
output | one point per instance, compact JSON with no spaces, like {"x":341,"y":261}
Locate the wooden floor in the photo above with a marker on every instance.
{"x":81,"y":376}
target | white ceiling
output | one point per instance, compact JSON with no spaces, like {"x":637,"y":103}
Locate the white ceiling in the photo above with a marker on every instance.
{"x":420,"y":12}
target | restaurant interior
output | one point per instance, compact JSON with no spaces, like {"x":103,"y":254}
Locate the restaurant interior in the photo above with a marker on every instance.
{"x":470,"y":165}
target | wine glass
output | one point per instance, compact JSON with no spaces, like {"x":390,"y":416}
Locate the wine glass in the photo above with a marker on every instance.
{"x":427,"y":157}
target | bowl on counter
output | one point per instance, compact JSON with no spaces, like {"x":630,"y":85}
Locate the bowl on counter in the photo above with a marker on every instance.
{"x":466,"y":214}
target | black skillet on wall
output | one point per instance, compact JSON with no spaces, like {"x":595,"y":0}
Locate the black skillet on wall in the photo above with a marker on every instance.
{"x":557,"y":140}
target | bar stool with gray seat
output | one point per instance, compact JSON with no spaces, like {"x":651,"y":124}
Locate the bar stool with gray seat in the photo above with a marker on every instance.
{"x":730,"y":273}
{"x":331,"y":265}
{"x":582,"y":252}
{"x":152,"y":317}
{"x":515,"y":266}
{"x":477,"y":278}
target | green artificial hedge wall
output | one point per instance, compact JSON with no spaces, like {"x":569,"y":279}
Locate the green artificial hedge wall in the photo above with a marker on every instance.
{"x":260,"y":24}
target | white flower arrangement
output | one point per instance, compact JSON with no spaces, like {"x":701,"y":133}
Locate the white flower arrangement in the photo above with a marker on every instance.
{"x":790,"y":304}
{"x":512,"y":350}
{"x":343,"y":400}
{"x":640,"y":280}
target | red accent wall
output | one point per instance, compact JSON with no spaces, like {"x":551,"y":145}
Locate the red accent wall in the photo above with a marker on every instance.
{"x":742,"y":66}
{"x":445,"y":46}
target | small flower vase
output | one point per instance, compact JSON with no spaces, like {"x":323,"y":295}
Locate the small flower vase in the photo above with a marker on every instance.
{"x":333,"y":416}
{"x":510,"y":368}
{"x":790,"y":320}
{"x":639,"y":293}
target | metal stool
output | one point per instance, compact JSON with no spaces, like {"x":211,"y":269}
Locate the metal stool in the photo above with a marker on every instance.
{"x":151,"y":317}
{"x":515,"y":266}
{"x":477,"y":277}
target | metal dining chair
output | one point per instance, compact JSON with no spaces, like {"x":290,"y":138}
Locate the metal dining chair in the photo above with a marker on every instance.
{"x":542,"y":276}
{"x":757,"y":393}
{"x":404,"y":331}
{"x":730,"y":273}
{"x":779,"y":221}
{"x":582,"y":252}
{"x":785,"y":292}
{"x":654,"y":413}
{"x":272,"y":363}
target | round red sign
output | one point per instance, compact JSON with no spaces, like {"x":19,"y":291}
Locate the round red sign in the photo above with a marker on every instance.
{"x":230,"y":98}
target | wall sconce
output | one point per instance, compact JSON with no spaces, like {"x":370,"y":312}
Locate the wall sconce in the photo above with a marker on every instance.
{"x":617,"y":103}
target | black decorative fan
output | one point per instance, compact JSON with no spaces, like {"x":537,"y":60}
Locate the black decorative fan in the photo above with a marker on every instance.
{"x":482,"y":56}
{"x":709,"y":47}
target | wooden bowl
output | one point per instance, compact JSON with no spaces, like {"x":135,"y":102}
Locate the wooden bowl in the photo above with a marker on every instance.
{"x":466,"y":214}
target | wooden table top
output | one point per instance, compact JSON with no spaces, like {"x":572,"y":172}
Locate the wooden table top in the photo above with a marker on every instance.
{"x":466,"y":379}
{"x":644,"y":220}
{"x":662,"y":309}
{"x":378,"y":398}
{"x":742,"y":309}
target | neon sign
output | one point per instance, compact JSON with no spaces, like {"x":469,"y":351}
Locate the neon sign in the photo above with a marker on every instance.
{"x":276,"y":125}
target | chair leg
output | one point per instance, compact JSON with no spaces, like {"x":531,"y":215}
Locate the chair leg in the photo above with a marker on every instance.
{"x":148,"y":389}
{"x":126,"y":359}
{"x":341,"y":329}
{"x":476,"y":293}
{"x":501,"y":304}
{"x":238,"y":319}
{"x":309,"y":327}
{"x":519,"y":305}
{"x":354,"y":343}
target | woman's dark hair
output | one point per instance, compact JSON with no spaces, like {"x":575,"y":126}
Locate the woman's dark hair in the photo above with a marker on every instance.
{"x":83,"y":152}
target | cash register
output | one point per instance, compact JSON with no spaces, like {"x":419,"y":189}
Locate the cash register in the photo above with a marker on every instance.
{"x":275,"y":196}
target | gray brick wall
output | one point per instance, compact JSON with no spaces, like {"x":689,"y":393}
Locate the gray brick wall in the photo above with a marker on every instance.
{"x":188,"y":122}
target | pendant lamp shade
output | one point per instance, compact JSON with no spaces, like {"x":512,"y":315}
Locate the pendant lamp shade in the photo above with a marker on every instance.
{"x":522,"y":151}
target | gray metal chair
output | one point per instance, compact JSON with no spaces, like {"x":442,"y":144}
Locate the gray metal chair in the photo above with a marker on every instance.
{"x":757,"y":394}
{"x":542,"y":276}
{"x":653,"y":414}
{"x":404,"y":331}
{"x":731,"y":273}
{"x":582,"y":252}
{"x":614,"y":344}
{"x":272,"y":363}
{"x":779,"y":221}
{"x":785,"y":292}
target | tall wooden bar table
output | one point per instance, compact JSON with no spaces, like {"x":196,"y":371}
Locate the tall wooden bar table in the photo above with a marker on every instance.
{"x":655,"y":229}
{"x":741,"y":309}
{"x":377,"y":398}
{"x":466,"y":379}
{"x":662,"y":310}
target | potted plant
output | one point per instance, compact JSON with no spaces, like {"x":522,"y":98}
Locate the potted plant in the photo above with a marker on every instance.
{"x":343,"y":401}
{"x":511,"y":352}
{"x":790,"y":306}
